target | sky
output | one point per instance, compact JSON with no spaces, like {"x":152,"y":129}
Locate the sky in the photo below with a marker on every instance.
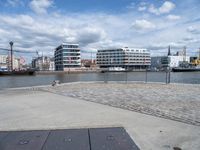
{"x":42,"y":25}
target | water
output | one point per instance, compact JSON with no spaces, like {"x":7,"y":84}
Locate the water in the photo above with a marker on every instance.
{"x":24,"y":81}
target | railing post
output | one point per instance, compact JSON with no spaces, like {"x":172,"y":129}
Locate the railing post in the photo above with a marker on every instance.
{"x":166,"y":76}
{"x":169,"y":76}
{"x":146,"y":76}
{"x":126,"y":76}
{"x":105,"y":77}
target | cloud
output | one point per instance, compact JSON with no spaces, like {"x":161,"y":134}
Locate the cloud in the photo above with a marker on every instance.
{"x":143,"y":25}
{"x":190,"y":40}
{"x":40,"y":6}
{"x":166,"y":7}
{"x":164,"y":46}
{"x":99,"y":29}
{"x":173,"y":17}
{"x":142,"y":6}
{"x":131,"y":6}
{"x":90,"y":35}
{"x":193,"y":30}
{"x":14,"y":3}
{"x":36,"y":33}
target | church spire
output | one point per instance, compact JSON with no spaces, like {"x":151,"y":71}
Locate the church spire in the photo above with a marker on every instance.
{"x":169,"y":51}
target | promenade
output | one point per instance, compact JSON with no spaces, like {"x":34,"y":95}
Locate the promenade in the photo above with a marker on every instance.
{"x":156,"y":116}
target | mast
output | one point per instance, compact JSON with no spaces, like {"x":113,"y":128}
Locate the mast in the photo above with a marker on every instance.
{"x":184,"y":53}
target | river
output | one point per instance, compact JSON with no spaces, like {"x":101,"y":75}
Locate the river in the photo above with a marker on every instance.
{"x":24,"y":81}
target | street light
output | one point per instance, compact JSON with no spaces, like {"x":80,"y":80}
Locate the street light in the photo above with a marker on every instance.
{"x":11,"y":53}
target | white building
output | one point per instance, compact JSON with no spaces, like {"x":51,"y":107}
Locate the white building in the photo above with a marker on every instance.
{"x":128,"y":58}
{"x":43,"y":63}
{"x":5,"y":63}
{"x":160,"y":62}
{"x":175,"y":61}
{"x":67,"y":56}
{"x":52,"y":65}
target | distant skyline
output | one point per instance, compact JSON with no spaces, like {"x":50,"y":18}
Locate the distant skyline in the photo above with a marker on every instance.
{"x":153,"y":24}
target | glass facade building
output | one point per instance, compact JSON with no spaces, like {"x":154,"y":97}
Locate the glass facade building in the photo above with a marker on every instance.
{"x":67,"y":56}
{"x":127,"y":58}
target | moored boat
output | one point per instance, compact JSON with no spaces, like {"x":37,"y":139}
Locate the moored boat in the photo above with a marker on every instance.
{"x":114,"y":69}
{"x":180,"y":69}
{"x":21,"y":72}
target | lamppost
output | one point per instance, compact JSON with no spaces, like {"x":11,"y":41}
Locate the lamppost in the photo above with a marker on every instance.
{"x":11,"y":53}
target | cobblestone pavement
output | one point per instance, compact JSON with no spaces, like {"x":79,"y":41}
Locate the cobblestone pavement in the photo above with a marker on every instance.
{"x":178,"y":102}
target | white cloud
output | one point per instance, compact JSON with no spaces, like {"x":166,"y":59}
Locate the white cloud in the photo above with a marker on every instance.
{"x":173,"y":17}
{"x":142,"y":6}
{"x":166,"y":7}
{"x":14,"y":3}
{"x":40,"y":6}
{"x":143,"y":25}
{"x":37,"y":33}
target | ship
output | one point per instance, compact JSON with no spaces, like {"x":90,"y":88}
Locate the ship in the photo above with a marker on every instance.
{"x":190,"y":69}
{"x":114,"y":69}
{"x":186,"y":67}
{"x":16,"y":73}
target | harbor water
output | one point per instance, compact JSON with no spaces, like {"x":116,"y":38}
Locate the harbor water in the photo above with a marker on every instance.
{"x":25,"y":81}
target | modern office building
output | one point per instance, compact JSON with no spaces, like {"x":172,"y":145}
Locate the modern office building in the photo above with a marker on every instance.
{"x":127,"y":58}
{"x":67,"y":56}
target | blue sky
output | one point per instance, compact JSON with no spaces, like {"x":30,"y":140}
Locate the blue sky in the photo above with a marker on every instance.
{"x":153,"y":24}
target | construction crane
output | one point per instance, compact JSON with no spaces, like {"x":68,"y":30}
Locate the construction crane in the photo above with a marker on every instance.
{"x":196,"y":62}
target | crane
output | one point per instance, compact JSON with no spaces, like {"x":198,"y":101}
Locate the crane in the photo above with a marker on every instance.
{"x":196,"y":62}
